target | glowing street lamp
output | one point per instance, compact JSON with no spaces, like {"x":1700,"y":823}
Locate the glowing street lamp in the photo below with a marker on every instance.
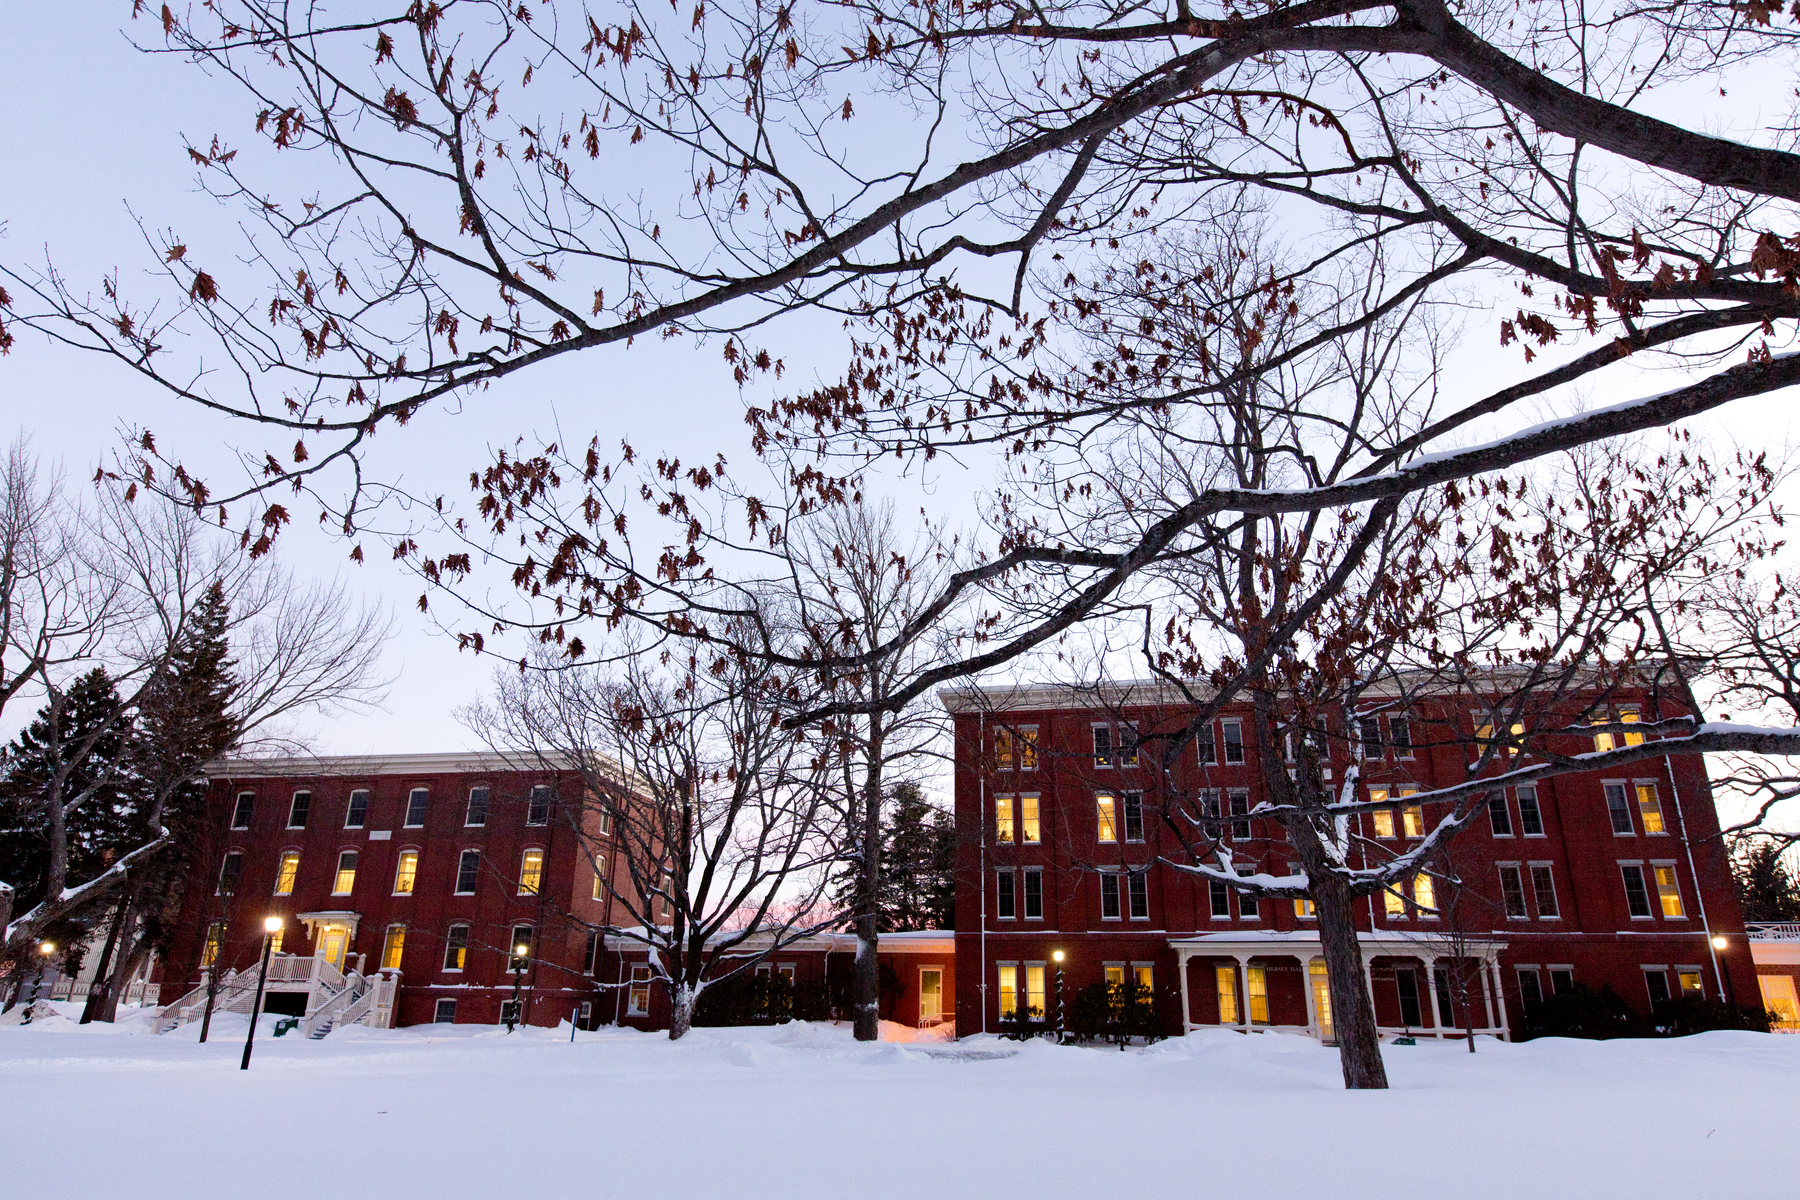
{"x":46,"y":949}
{"x":271,"y":927}
{"x":1719,"y":944}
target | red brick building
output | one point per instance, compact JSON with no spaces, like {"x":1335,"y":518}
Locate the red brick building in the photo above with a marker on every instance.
{"x":1603,"y":878}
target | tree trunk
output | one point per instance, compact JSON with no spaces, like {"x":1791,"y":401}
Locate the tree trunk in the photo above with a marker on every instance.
{"x":681,"y":1010}
{"x":103,"y":969}
{"x":866,"y":989}
{"x":1352,"y":1010}
{"x":122,"y":975}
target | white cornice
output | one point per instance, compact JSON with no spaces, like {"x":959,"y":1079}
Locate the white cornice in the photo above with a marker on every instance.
{"x":320,"y":766}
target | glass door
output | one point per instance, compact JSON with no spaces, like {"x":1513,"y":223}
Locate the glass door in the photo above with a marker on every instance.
{"x":931,"y":995}
{"x":333,"y":941}
{"x":1321,"y":989}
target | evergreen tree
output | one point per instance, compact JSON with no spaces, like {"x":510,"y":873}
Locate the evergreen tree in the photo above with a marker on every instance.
{"x":917,"y":862}
{"x":1766,"y":887}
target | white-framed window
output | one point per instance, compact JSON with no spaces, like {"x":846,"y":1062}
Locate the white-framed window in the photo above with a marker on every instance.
{"x":1219,"y":896}
{"x":1016,"y":749}
{"x":1034,"y":894}
{"x":1103,"y":746}
{"x":456,"y":947}
{"x":591,"y":952}
{"x":1239,"y":801}
{"x":1668,"y":890}
{"x":531,"y":871}
{"x":1109,"y":896}
{"x":298,"y":810}
{"x":1137,"y":895}
{"x":1425,"y":896}
{"x":1016,"y":819}
{"x":1562,"y":978}
{"x":1228,"y":998}
{"x":1637,"y":896}
{"x":1512,"y":892}
{"x":1006,"y":907}
{"x":215,"y":937}
{"x":1485,"y":723}
{"x":1368,"y":731}
{"x":475,"y":814}
{"x":286,"y":871}
{"x":1531,"y":817}
{"x":393,"y":945}
{"x":1249,"y":907}
{"x":599,"y":883}
{"x":1412,"y":816}
{"x":1543,"y":889}
{"x":242,"y":810}
{"x":1531,"y":984}
{"x":1134,"y":816}
{"x":1233,"y":729}
{"x":1618,"y":808}
{"x":537,"y":811}
{"x":1381,"y":818}
{"x":587,"y":1014}
{"x":637,"y":999}
{"x":344,"y":881}
{"x":230,"y":871}
{"x":468,"y":872}
{"x":1011,"y":993}
{"x":1029,"y":829}
{"x":406,"y":872}
{"x":1106,"y":813}
{"x":416,"y":801}
{"x":1393,"y":903}
{"x":1303,"y":905}
{"x":1656,"y":982}
{"x":1206,"y":748}
{"x":1649,"y":806}
{"x":444,"y":1013}
{"x":1689,"y":982}
{"x":519,"y":946}
{"x":1005,"y":822}
{"x":1499,"y":815}
{"x":509,"y":1012}
{"x":1400,"y":735}
{"x":356,"y":815}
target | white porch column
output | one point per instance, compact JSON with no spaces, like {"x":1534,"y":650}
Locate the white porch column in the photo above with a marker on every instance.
{"x":1182,"y":956}
{"x":1500,"y":995}
{"x":1437,"y":1017}
{"x":1368,"y":982}
{"x":1242,"y":980}
{"x":1487,"y":993}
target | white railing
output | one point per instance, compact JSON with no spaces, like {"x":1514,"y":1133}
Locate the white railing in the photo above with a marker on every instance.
{"x":137,"y":992}
{"x":1773,"y":931}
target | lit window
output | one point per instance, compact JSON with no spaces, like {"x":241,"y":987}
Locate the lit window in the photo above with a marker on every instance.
{"x":1104,"y":805}
{"x":1629,"y":716}
{"x":1531,"y":818}
{"x":1412,"y":816}
{"x":1321,"y":992}
{"x":1512,"y":892}
{"x":1115,"y":974}
{"x":406,"y":872}
{"x":240,"y":813}
{"x":215,"y":936}
{"x":1034,"y":988}
{"x":1007,"y":908}
{"x":298,"y":810}
{"x":599,"y":885}
{"x":444,"y":1013}
{"x":1668,"y":891}
{"x":357,"y":815}
{"x":275,"y":940}
{"x":1499,"y":816}
{"x":391,"y":947}
{"x":230,"y":871}
{"x":1016,"y":749}
{"x":1234,"y":740}
{"x":1103,"y":756}
{"x":1424,"y":895}
{"x":286,"y":872}
{"x":1109,"y":896}
{"x":1003,"y":818}
{"x":1228,"y":1005}
{"x":1303,"y":908}
{"x":1009,"y":990}
{"x":1618,"y":808}
{"x":1543,"y":886}
{"x":531,"y":872}
{"x":476,"y":813}
{"x":468,"y":872}
{"x":1603,"y":741}
{"x":1256,"y":991}
{"x":1637,"y":897}
{"x":637,"y":1001}
{"x":1145,"y":974}
{"x":1028,"y":819}
{"x":1689,"y":979}
{"x":538,"y":811}
{"x":1240,"y":812}
{"x":1034,"y":895}
{"x":1137,"y":890}
{"x":456,"y":947}
{"x":344,"y":882}
{"x":1383,"y":817}
{"x":1393,"y":903}
{"x":1650,"y":808}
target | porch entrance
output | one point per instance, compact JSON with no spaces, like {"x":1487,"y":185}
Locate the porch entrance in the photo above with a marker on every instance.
{"x":931,"y":995}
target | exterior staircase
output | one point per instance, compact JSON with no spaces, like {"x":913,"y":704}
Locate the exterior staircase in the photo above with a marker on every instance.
{"x":333,"y":997}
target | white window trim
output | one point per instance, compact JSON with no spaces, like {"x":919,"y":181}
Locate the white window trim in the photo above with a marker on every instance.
{"x":1225,"y":744}
{"x":1024,"y":891}
{"x":1016,"y":897}
{"x":1537,"y":902}
{"x":438,"y":1007}
{"x":1144,"y":876}
{"x":1403,"y":753}
{"x":1111,"y":750}
{"x":281,"y":855}
{"x":1538,"y":803}
{"x":631,"y":990}
{"x":406,"y":821}
{"x":1630,"y":800}
{"x":235,"y":804}
{"x":1019,"y":820}
{"x":350,"y":804}
{"x":1638,"y":809}
{"x":1211,"y":912}
{"x":531,"y":800}
{"x":465,"y":949}
{"x":338,"y":869}
{"x":399,"y":857}
{"x":299,"y":792}
{"x":543,"y":862}
{"x":1524,"y":896}
{"x":456,"y":883}
{"x":1511,"y":829}
{"x":1656,"y":896}
{"x":468,"y":804}
{"x":1649,"y":897}
{"x":1114,"y":876}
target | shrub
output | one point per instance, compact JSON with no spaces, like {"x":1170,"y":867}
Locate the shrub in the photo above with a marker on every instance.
{"x":1115,"y":1012}
{"x":1022,"y":1024}
{"x":1582,"y":1012}
{"x":1697,"y":1014}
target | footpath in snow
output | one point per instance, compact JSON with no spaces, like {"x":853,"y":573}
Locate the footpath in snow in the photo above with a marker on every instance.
{"x":804,"y":1111}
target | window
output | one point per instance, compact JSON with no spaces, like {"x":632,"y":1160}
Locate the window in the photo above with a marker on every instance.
{"x":275,"y":941}
{"x":531,"y":872}
{"x":1228,"y":1005}
{"x":1369,"y":729}
{"x":1499,"y":815}
{"x":1256,"y":990}
{"x":1562,"y":979}
{"x":1512,"y":892}
{"x":1134,"y":815}
{"x":1400,"y":734}
{"x":1003,"y":818}
{"x":1240,"y":813}
{"x":518,"y":949}
{"x":599,"y":884}
{"x":1204,"y":747}
{"x":1249,"y":907}
{"x":215,"y":936}
{"x":1016,"y":749}
{"x":1383,"y":818}
{"x":1629,"y":716}
{"x":468,"y":872}
{"x":344,"y":882}
{"x":1637,"y":898}
{"x":1425,"y":896}
{"x":230,"y":871}
{"x":1137,"y":887}
{"x":637,"y":1001}
{"x":391,"y":947}
{"x":1531,"y":819}
{"x":1220,"y":896}
{"x":476,"y":814}
{"x":1412,"y":816}
{"x":1128,"y":745}
{"x":1234,"y":740}
{"x":1303,"y":908}
{"x":591,"y":952}
{"x":1028,"y":819}
{"x":1531,"y":990}
{"x":1543,"y":887}
{"x":1034,"y":987}
{"x":444,"y":1013}
{"x":1210,"y":799}
{"x":406,"y":872}
{"x":1109,"y":896}
{"x":1619,"y":809}
{"x":240,"y":812}
{"x":456,"y":947}
{"x":1145,"y":974}
{"x":1009,"y":989}
{"x":297,"y":810}
{"x":537,"y":812}
{"x":1603,"y":742}
{"x":1484,"y":734}
{"x":415,"y":807}
{"x":1034,"y":894}
{"x":286,"y":872}
{"x":1008,"y":905}
{"x":1407,"y":985}
{"x":1656,"y":982}
{"x":1104,"y":806}
{"x":1650,"y":809}
{"x":357,"y":815}
{"x":1688,"y":978}
{"x":1668,"y":891}
{"x":1393,"y":903}
{"x":1103,"y":757}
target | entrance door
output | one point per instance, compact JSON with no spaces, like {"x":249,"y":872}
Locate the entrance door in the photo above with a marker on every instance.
{"x":1778,"y":997}
{"x":1321,"y":989}
{"x":931,"y":995}
{"x":333,"y":941}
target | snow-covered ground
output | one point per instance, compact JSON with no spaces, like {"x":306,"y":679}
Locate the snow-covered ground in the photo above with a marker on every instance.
{"x":802,"y":1111}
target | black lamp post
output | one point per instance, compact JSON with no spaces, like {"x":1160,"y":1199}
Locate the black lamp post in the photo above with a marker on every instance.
{"x":271,"y":927}
{"x":1719,"y":944}
{"x":1058,"y":956}
{"x":512,"y":1013}
{"x":46,"y":949}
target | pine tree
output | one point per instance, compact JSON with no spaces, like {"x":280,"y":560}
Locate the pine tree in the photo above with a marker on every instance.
{"x":918,"y":863}
{"x":1766,"y":887}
